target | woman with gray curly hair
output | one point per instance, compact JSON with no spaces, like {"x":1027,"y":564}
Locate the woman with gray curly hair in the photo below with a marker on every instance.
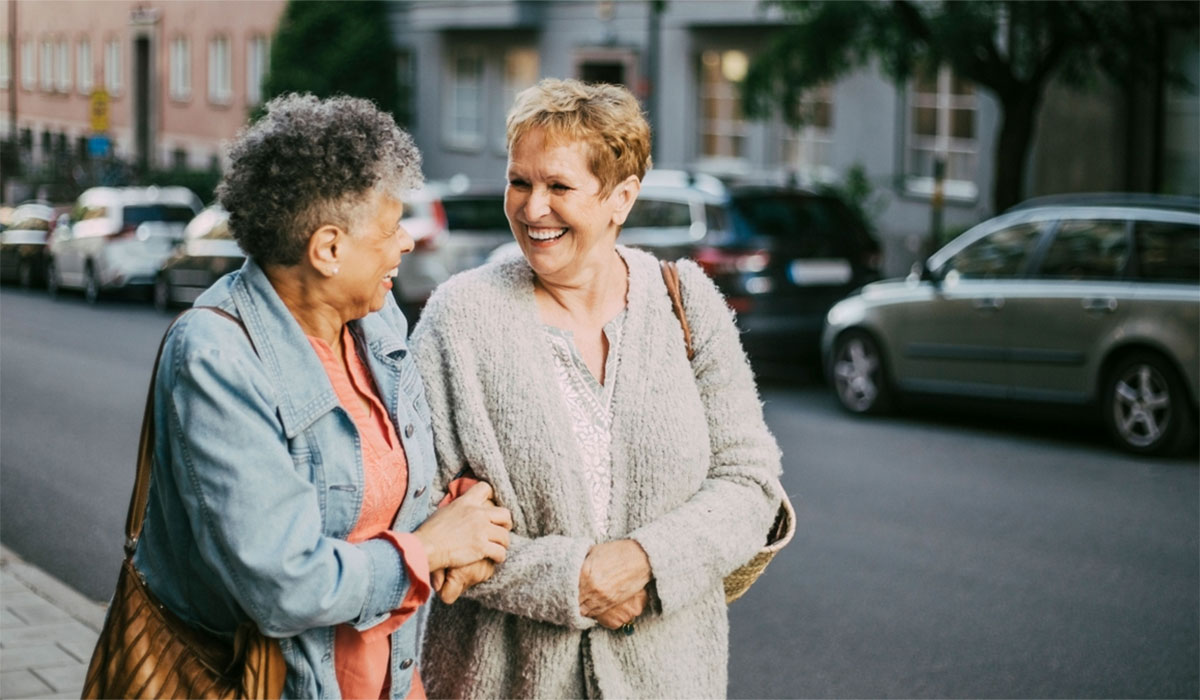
{"x":294,"y":452}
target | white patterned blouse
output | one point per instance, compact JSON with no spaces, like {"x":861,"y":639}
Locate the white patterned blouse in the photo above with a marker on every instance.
{"x":591,"y":408}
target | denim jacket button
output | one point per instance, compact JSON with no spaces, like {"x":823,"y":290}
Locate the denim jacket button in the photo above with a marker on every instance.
{"x":418,"y":492}
{"x":409,"y":430}
{"x":405,"y":664}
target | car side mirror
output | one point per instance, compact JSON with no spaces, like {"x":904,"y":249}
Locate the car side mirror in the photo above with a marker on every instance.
{"x":921,"y":272}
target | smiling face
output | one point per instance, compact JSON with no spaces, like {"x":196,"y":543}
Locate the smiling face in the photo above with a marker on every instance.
{"x":560,"y":218}
{"x":368,"y":258}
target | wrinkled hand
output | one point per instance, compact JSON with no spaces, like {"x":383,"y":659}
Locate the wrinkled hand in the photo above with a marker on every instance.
{"x":467,"y":530}
{"x":624,"y":612}
{"x":455,"y":581}
{"x":612,"y":573}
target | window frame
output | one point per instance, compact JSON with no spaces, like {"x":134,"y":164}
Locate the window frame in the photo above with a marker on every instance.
{"x":113,"y":59}
{"x":85,"y":80}
{"x":942,"y":144}
{"x":465,"y":140}
{"x":220,"y":70}
{"x":808,"y":150}
{"x":510,"y":88}
{"x":6,"y":76}
{"x":46,"y":77}
{"x":29,"y":79}
{"x":258,"y":64}
{"x":179,"y":82}
{"x":63,"y":79}
{"x":728,"y":126}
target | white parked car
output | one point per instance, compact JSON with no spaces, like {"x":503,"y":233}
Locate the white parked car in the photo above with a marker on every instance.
{"x":117,"y":238}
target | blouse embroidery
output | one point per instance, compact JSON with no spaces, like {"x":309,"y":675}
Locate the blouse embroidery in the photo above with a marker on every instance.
{"x":589,"y":404}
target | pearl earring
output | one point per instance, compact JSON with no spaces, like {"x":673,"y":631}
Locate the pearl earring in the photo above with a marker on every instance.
{"x":334,"y":271}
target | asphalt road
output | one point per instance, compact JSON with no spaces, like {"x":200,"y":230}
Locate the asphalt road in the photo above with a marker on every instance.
{"x":945,"y":554}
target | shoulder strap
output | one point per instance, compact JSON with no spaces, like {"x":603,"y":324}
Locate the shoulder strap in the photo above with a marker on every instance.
{"x":141,"y":484}
{"x":670,"y":275}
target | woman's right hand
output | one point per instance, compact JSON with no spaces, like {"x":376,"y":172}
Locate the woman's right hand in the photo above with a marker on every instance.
{"x":466,"y":530}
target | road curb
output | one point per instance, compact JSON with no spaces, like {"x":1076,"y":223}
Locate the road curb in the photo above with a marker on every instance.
{"x":67,"y":599}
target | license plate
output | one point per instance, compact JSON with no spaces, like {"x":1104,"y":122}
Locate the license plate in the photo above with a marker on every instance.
{"x":815,"y":273}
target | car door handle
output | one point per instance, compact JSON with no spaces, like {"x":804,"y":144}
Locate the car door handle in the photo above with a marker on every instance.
{"x":989,"y":303}
{"x":1100,"y":304}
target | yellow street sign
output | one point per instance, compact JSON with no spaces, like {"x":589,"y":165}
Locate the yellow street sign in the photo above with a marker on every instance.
{"x":99,"y":111}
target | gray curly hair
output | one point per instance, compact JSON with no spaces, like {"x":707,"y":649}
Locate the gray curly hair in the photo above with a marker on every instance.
{"x":310,"y":162}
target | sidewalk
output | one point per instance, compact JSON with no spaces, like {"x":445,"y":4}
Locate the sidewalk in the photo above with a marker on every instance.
{"x":47,"y":632}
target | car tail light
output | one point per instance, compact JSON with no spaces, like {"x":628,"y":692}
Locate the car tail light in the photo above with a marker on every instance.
{"x":742,"y":305}
{"x":439,"y":215}
{"x":716,"y":261}
{"x":437,"y":232}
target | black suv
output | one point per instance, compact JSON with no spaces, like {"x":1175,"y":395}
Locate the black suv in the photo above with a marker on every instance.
{"x":781,"y":255}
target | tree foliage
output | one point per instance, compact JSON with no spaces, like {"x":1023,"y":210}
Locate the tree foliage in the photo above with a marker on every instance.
{"x":1012,"y":48}
{"x":329,"y":47}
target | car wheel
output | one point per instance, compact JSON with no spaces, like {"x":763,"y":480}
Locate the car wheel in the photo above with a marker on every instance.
{"x":1146,"y":407}
{"x":53,"y":284}
{"x":91,"y":285}
{"x":858,"y":374}
{"x":162,"y":293}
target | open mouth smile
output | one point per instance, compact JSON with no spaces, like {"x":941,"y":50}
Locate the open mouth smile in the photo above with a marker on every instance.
{"x":543,"y":235}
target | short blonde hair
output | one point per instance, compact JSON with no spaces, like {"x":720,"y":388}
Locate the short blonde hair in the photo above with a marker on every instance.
{"x":607,"y":118}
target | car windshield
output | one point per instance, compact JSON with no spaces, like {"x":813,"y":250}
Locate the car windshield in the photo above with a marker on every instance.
{"x":649,"y":212}
{"x":820,"y":225}
{"x":171,"y":213}
{"x":475,"y":214}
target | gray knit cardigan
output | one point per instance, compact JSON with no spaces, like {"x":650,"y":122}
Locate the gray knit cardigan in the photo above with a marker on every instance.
{"x":695,"y":483}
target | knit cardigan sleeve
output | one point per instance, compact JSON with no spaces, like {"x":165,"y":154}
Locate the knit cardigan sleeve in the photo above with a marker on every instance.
{"x":539,"y":578}
{"x":720,"y":528}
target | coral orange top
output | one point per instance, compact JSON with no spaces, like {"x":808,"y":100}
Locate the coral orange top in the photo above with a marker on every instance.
{"x":362,"y":659}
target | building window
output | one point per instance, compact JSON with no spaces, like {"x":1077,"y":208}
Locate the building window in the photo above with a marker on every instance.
{"x":5,"y":64}
{"x":521,"y":67}
{"x":112,"y":67}
{"x":722,"y":128}
{"x":62,"y":66}
{"x":83,"y":61}
{"x":464,"y":123}
{"x":941,"y":129}
{"x":47,"y":66}
{"x":220,"y":89}
{"x":258,"y":62}
{"x":179,"y":159}
{"x":28,"y":67}
{"x":808,"y":149}
{"x":180,"y":83}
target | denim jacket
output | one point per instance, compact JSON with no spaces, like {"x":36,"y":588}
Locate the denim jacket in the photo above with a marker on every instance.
{"x":258,"y":479}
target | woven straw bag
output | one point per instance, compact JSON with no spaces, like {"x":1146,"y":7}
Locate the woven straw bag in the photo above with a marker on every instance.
{"x":784,"y":527}
{"x":145,"y":651}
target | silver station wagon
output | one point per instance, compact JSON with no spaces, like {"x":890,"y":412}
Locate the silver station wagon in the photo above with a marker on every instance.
{"x":1088,"y":300}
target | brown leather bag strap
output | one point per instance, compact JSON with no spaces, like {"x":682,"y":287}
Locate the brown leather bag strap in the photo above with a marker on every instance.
{"x":670,"y":275}
{"x":145,"y":459}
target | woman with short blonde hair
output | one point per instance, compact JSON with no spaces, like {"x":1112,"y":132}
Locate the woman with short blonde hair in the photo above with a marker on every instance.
{"x":637,"y":479}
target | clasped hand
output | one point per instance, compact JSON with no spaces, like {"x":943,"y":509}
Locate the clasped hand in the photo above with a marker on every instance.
{"x":612,"y":583}
{"x":464,"y":540}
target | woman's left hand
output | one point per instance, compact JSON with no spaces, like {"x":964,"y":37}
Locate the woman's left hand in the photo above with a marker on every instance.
{"x":612,"y":573}
{"x":624,"y":613}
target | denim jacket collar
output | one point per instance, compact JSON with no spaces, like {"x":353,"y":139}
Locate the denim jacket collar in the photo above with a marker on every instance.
{"x":305,"y":393}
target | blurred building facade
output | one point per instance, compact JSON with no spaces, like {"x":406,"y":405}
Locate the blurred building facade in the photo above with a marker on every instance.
{"x":461,"y":63}
{"x":156,"y":84}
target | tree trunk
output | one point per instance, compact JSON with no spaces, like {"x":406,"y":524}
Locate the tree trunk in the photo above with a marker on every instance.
{"x":1012,"y":148}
